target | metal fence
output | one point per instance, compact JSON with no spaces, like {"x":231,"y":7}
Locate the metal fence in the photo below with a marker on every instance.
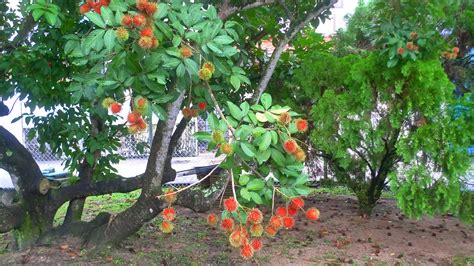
{"x":187,"y":146}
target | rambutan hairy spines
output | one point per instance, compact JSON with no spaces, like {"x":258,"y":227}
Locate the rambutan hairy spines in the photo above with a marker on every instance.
{"x":166,"y":227}
{"x":212,"y":219}
{"x":256,"y":244}
{"x":288,"y":222}
{"x":290,"y":146}
{"x":236,"y":238}
{"x":255,"y":216}
{"x":107,"y":102}
{"x":122,"y":33}
{"x":145,"y":42}
{"x":226,"y":148}
{"x":400,"y":51}
{"x":169,"y":214}
{"x":312,"y":214}
{"x":139,"y":20}
{"x":84,"y":9}
{"x":209,"y":66}
{"x":246,"y":251}
{"x":297,"y":203}
{"x":292,"y":211}
{"x":276,"y":222}
{"x":151,"y":8}
{"x":270,"y":231}
{"x":133,"y":117}
{"x":205,"y":74}
{"x":284,"y":118}
{"x":301,"y":125}
{"x":227,"y":224}
{"x":281,"y":211}
{"x":169,"y":195}
{"x":146,"y":32}
{"x":127,"y":21}
{"x":256,"y":230}
{"x":202,"y":106}
{"x":186,"y":52}
{"x":230,"y":204}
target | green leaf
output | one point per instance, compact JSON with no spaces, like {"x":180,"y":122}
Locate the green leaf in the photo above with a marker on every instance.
{"x":223,"y":39}
{"x":266,"y":100}
{"x":303,"y":190}
{"x":96,"y":19}
{"x":278,"y":157}
{"x":51,"y":18}
{"x":245,"y":194}
{"x":191,"y":66}
{"x":243,"y":180}
{"x":267,"y":140}
{"x":180,"y":70}
{"x":37,"y":13}
{"x":392,"y":62}
{"x":107,"y":15}
{"x":235,"y":110}
{"x":159,"y":111}
{"x":213,"y":121}
{"x":235,"y":81}
{"x":248,"y":149}
{"x":109,"y":40}
{"x":256,"y":198}
{"x":203,"y":136}
{"x":256,"y":184}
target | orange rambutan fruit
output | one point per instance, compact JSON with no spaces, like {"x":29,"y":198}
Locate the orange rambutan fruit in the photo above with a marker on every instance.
{"x":230,"y":204}
{"x":210,"y":66}
{"x":256,"y":230}
{"x":205,"y":74}
{"x":133,"y":117}
{"x":300,"y":155}
{"x":290,"y":146}
{"x":301,"y":125}
{"x":202,"y":106}
{"x":400,"y":50}
{"x":227,"y":224}
{"x":186,"y":52}
{"x":297,"y":203}
{"x":246,"y":251}
{"x":139,"y":20}
{"x":281,"y":211}
{"x":284,"y":118}
{"x":236,"y":238}
{"x":255,"y":216}
{"x":116,"y":107}
{"x":84,"y":8}
{"x":410,"y":45}
{"x":145,"y":42}
{"x":292,"y":211}
{"x":212,"y":219}
{"x":456,"y":50}
{"x":288,"y":222}
{"x":169,"y":195}
{"x":169,"y":214}
{"x":127,"y":21}
{"x":270,"y":231}
{"x":312,"y":214}
{"x":275,"y":222}
{"x":146,"y":32}
{"x":226,"y":148}
{"x":166,"y":227}
{"x":151,"y":8}
{"x":256,"y":244}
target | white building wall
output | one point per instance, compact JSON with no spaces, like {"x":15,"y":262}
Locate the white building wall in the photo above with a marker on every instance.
{"x":336,"y":21}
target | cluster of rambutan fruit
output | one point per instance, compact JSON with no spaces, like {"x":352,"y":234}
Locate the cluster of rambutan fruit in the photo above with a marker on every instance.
{"x":453,"y":54}
{"x":91,"y":5}
{"x":248,"y":235}
{"x":135,"y":118}
{"x":290,"y":145}
{"x":189,"y":113}
{"x":410,"y":45}
{"x":168,"y":214}
{"x":142,"y":22}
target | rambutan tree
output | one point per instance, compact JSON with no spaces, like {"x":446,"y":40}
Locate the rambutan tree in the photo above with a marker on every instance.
{"x":383,"y":108}
{"x":83,"y":63}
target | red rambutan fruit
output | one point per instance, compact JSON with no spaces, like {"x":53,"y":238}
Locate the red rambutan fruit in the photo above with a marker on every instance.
{"x":312,"y":214}
{"x":290,"y":146}
{"x":169,"y":214}
{"x":230,"y":204}
{"x":301,"y":125}
{"x":288,"y":222}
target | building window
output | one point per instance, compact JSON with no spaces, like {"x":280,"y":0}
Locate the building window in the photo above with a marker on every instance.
{"x":338,"y":4}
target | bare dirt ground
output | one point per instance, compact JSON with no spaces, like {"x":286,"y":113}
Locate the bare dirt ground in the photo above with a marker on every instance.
{"x":339,"y":237}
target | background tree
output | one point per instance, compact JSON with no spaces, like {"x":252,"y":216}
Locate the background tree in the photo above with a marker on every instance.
{"x":384,"y":108}
{"x":165,"y":59}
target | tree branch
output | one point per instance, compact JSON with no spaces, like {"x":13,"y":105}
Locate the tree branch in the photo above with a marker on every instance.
{"x":18,"y":161}
{"x":291,"y":34}
{"x":226,"y":11}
